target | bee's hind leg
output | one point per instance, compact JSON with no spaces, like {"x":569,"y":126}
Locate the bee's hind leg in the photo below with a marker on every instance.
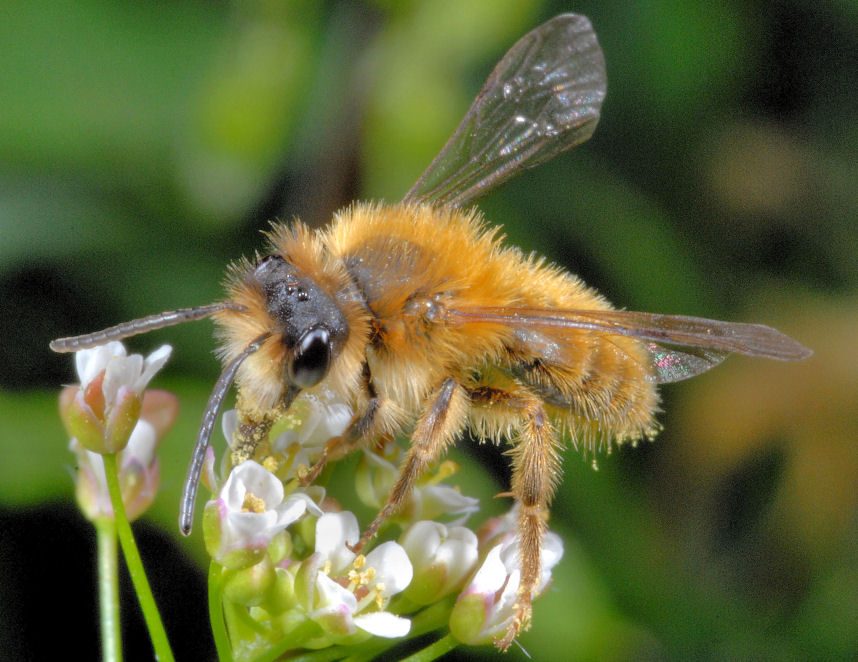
{"x":536,"y":469}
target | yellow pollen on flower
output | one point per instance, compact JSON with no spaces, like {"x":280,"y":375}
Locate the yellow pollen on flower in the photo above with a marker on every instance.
{"x":359,"y":562}
{"x":358,"y":578}
{"x":271,"y":463}
{"x":379,"y":594}
{"x":327,"y":568}
{"x":252,"y":504}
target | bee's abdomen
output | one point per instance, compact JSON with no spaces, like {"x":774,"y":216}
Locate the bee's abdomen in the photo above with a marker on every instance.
{"x":595,"y":380}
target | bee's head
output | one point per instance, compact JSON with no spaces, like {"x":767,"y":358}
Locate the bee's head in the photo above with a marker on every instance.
{"x":310,"y":325}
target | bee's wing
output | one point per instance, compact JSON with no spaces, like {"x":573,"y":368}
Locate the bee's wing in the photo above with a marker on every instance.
{"x":543,"y":97}
{"x":679,"y":347}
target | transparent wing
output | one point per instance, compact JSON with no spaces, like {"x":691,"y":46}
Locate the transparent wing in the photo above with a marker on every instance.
{"x":679,"y":347}
{"x":543,"y":97}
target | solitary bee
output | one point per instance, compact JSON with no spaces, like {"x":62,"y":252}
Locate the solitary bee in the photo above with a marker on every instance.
{"x":418,"y":316}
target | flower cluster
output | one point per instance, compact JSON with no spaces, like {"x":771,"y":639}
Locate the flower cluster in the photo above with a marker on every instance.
{"x":285,"y":577}
{"x":288,"y":579}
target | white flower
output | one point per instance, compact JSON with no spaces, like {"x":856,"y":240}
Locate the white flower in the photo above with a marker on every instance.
{"x":133,"y":372}
{"x":249,"y":511}
{"x":345,"y":592}
{"x":107,"y":404}
{"x":138,"y":462}
{"x":486,"y":608}
{"x":442,"y":558}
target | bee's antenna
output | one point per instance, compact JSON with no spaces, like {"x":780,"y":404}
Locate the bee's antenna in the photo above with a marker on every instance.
{"x":142,"y":325}
{"x":192,"y":481}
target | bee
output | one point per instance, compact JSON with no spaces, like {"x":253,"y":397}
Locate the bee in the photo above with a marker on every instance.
{"x":423,"y":320}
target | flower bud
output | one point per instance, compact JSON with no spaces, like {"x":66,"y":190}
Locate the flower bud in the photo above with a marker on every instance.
{"x":486,"y":608}
{"x":442,"y":557}
{"x":249,"y":586}
{"x":139,"y":473}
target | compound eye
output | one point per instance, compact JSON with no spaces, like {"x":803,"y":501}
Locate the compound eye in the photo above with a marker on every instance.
{"x":312,"y":358}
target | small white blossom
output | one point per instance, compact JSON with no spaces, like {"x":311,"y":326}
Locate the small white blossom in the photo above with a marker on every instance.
{"x":120,"y":370}
{"x":138,"y":463}
{"x":345,"y":592}
{"x":107,"y":404}
{"x":249,"y":511}
{"x":322,"y":418}
{"x":486,"y":608}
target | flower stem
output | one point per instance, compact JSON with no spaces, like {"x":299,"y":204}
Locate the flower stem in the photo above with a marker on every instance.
{"x":434,"y":651}
{"x":108,"y":590}
{"x":221,"y":638}
{"x":135,"y":564}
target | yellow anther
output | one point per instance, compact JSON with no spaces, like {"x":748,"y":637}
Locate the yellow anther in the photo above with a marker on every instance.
{"x":252,"y":504}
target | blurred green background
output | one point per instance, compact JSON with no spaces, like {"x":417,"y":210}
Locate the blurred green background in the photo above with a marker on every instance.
{"x":144,"y":145}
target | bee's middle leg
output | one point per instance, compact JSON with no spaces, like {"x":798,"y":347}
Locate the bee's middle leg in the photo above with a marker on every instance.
{"x":442,"y":419}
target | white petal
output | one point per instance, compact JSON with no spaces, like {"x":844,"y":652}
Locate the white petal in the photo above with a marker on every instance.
{"x":333,"y":531}
{"x":260,"y":482}
{"x":421,"y":541}
{"x":90,"y":362}
{"x":392,"y":567}
{"x":141,"y":445}
{"x":383,"y":624}
{"x":294,"y":508}
{"x":241,"y":530}
{"x":441,"y":500}
{"x":491,"y":575}
{"x":154,"y":362}
{"x":121,"y":371}
{"x":330,"y":593}
{"x":228,"y":424}
{"x":552,"y":550}
{"x":335,"y":606}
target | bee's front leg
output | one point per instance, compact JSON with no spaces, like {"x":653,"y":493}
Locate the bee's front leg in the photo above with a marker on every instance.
{"x":359,"y":429}
{"x":254,"y":424}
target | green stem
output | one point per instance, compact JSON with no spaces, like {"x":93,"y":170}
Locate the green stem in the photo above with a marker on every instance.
{"x":108,"y":590}
{"x":434,"y":651}
{"x":135,"y":564}
{"x":221,"y":638}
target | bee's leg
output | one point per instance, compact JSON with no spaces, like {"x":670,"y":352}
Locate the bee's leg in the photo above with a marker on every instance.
{"x":441,"y":420}
{"x":354,"y":435}
{"x":359,"y":428}
{"x":251,"y":433}
{"x":536,"y":467}
{"x":250,"y":438}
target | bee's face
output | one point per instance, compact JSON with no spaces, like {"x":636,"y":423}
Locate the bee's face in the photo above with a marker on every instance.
{"x":308,"y":322}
